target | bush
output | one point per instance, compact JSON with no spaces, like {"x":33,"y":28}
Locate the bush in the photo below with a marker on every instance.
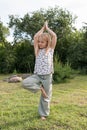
{"x":24,"y":57}
{"x":61,"y":72}
{"x":7,"y":60}
{"x":77,"y":57}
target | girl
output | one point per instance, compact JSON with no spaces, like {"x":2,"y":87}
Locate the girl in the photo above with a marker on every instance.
{"x":44,"y":44}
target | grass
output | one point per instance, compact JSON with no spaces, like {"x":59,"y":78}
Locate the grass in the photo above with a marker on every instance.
{"x":18,"y":107}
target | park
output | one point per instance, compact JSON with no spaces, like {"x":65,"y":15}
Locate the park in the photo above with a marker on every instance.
{"x":18,"y":107}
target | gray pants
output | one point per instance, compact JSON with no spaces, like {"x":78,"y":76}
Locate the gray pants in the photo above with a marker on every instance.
{"x":33,"y":83}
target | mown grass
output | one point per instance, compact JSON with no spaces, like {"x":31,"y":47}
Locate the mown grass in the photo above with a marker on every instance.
{"x":19,"y":107}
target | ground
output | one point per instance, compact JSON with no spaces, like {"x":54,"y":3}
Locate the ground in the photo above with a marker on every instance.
{"x":19,"y":107}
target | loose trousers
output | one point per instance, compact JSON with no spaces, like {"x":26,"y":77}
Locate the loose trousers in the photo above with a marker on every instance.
{"x":33,"y":83}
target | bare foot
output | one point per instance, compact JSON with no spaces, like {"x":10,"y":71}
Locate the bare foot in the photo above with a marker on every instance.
{"x":43,"y":92}
{"x":43,"y":118}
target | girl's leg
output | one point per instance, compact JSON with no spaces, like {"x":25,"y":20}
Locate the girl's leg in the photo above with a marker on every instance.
{"x":43,"y":92}
{"x":31,"y":83}
{"x":44,"y":106}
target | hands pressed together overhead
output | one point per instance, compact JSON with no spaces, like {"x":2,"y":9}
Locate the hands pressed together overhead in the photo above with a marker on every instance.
{"x":45,"y":26}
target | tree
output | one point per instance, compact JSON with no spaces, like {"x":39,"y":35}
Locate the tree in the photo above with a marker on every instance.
{"x":77,"y":51}
{"x":59,"y":20}
{"x":7,"y":59}
{"x":24,"y":54}
{"x":4,"y":32}
{"x":6,"y":53}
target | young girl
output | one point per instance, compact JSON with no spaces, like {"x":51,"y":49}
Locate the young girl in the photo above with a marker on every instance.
{"x":44,"y":44}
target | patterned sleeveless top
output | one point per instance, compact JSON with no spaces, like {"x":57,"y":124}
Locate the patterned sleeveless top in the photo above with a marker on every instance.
{"x":44,"y":62}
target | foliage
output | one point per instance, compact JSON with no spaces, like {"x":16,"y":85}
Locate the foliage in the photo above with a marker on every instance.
{"x":6,"y":54}
{"x":7,"y":59}
{"x":59,"y":20}
{"x":77,"y":56}
{"x":71,"y":44}
{"x":77,"y":51}
{"x":85,"y":32}
{"x":24,"y":54}
{"x":4,"y":32}
{"x":61,"y":72}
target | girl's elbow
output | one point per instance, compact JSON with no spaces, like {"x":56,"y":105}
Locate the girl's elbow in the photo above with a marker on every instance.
{"x":54,"y":36}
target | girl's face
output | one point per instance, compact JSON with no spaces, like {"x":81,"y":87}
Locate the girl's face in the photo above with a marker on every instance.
{"x":42,"y":43}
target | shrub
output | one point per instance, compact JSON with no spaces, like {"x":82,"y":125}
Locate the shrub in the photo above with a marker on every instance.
{"x":7,"y":60}
{"x":61,"y":72}
{"x":77,"y":56}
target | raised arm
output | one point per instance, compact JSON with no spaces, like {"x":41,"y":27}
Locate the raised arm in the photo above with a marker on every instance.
{"x":36,"y":40}
{"x":53,"y":35}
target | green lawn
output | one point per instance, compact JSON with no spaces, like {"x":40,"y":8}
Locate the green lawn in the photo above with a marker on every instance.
{"x":18,"y":107}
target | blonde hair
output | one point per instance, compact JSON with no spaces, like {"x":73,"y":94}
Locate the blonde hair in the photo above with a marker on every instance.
{"x":46,"y":37}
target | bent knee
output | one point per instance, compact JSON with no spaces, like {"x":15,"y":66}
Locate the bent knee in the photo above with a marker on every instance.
{"x":26,"y":84}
